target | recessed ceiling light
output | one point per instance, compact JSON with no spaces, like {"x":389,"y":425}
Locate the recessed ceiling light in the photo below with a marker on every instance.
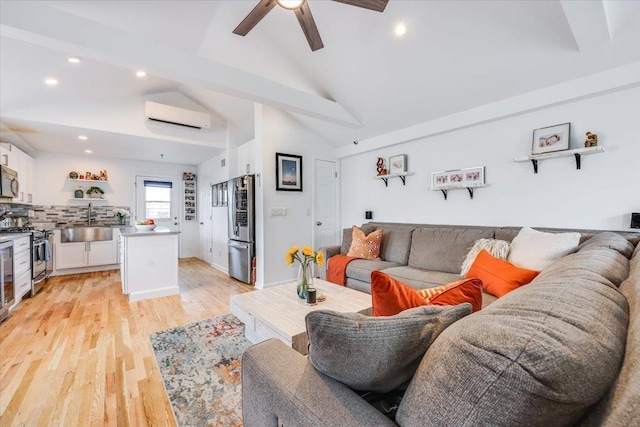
{"x":82,"y":137}
{"x":74,"y":59}
{"x":88,"y":151}
{"x":51,"y":81}
{"x":401,"y":29}
{"x":141,"y":73}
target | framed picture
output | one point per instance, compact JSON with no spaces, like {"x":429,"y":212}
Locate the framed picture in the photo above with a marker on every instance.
{"x":288,"y":172}
{"x":473,"y":176}
{"x":440,"y":179}
{"x":550,"y":139}
{"x":398,"y":164}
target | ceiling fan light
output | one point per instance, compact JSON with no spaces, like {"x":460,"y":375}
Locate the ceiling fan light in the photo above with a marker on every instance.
{"x":290,"y":4}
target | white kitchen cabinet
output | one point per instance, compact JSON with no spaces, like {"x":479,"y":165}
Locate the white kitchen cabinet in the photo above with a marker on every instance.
{"x":102,"y":253}
{"x":21,"y":267}
{"x":70,"y":255}
{"x":86,"y":254}
{"x":149,"y":264}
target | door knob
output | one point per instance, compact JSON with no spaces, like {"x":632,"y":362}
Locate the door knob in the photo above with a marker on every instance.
{"x":319,"y":223}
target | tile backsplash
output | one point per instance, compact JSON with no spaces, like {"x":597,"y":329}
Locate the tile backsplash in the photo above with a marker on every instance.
{"x":42,"y":216}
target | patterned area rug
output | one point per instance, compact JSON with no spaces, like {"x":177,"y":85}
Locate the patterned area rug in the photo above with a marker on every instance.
{"x":200,"y":367}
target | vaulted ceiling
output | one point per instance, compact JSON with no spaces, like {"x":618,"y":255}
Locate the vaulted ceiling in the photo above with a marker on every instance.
{"x":365,"y":82}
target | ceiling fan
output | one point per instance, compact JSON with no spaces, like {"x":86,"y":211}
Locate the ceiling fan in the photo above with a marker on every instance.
{"x":303,"y":13}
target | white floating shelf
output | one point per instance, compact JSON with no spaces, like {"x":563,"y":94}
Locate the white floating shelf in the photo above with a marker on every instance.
{"x":577,"y":153}
{"x":385,"y":178}
{"x":469,"y":188}
{"x":88,"y":180}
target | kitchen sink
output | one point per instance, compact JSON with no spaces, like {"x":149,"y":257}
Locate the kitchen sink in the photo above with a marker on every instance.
{"x":86,"y":234}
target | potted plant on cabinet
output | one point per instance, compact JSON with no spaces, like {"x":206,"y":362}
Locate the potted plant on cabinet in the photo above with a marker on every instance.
{"x":95,"y":192}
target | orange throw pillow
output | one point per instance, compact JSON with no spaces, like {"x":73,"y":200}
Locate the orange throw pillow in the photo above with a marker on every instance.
{"x":365,"y":247}
{"x":499,"y":277}
{"x":390,"y":296}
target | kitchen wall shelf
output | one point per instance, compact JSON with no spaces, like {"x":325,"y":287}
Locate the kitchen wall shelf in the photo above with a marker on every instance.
{"x":189,"y":186}
{"x":577,"y":153}
{"x":385,"y":178}
{"x":88,"y":198}
{"x":88,"y":180}
{"x":469,"y":188}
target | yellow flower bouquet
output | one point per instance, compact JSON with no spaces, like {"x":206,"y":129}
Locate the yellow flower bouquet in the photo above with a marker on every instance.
{"x":306,"y":257}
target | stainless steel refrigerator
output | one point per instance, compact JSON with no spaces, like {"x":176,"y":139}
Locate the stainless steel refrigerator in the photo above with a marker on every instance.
{"x":241,"y":227}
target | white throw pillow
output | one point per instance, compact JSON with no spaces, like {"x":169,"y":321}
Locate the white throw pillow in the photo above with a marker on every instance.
{"x":536,"y":250}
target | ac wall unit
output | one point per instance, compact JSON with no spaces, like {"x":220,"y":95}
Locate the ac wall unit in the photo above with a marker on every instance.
{"x":163,"y":113}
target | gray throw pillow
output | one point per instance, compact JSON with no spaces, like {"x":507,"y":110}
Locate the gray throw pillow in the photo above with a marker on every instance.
{"x":376,"y":353}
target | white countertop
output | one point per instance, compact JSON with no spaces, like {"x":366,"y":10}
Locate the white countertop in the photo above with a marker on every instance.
{"x":158,"y":231}
{"x":13,"y":236}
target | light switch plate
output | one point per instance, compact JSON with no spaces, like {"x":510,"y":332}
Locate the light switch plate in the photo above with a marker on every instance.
{"x":278,"y":211}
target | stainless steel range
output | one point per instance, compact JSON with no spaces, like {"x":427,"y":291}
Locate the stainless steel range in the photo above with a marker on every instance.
{"x":41,"y":258}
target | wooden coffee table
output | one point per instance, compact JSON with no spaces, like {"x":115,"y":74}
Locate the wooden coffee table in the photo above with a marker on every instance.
{"x":277,"y":312}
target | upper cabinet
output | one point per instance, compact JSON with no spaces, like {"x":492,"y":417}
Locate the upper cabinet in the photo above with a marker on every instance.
{"x":21,"y":162}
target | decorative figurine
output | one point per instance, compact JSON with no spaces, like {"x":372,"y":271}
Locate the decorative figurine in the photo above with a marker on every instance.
{"x":381,"y":169}
{"x":592,"y":140}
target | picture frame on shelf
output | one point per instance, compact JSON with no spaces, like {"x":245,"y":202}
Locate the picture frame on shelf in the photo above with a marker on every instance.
{"x":288,"y":172}
{"x":397,"y":164}
{"x":458,"y":178}
{"x":551,"y":139}
{"x":473,"y":176}
{"x":440,"y":179}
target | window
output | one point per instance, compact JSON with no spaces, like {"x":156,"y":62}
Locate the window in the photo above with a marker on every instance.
{"x":157,"y":196}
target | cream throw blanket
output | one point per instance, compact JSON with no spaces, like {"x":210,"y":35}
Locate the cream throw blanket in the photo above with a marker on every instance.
{"x":497,"y":248}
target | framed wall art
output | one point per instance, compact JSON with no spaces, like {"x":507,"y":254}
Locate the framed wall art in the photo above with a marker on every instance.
{"x":288,"y":172}
{"x":458,"y":178}
{"x":440,"y":180}
{"x":550,"y":139}
{"x":398,"y":164}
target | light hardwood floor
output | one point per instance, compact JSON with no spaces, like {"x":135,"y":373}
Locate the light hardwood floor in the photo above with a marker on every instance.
{"x":78,"y":353}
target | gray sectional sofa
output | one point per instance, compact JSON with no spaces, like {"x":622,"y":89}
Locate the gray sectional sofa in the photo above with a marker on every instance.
{"x":562,"y":350}
{"x":426,"y":255}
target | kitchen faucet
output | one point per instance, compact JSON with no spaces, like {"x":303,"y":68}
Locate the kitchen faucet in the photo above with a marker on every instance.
{"x":90,"y":213}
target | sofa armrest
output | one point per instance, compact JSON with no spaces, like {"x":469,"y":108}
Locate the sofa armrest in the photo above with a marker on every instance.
{"x":329,"y":251}
{"x":281,"y":387}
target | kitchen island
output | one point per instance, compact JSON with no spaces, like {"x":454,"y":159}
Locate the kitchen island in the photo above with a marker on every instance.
{"x":149,"y":263}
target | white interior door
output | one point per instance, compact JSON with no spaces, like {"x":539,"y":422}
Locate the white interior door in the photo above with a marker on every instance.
{"x":205,"y":227}
{"x":159,"y":198}
{"x":326,"y":215}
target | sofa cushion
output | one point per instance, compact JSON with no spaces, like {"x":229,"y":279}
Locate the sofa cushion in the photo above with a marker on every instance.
{"x":420,"y":279}
{"x":396,"y":242}
{"x":365,"y":246}
{"x":499,"y":277}
{"x":536,"y":250}
{"x":347,"y":236}
{"x":621,"y":405}
{"x":496,"y":248}
{"x":375,"y":353}
{"x":608,"y":240}
{"x":543,"y":354}
{"x":390,"y":296}
{"x":361,"y":269}
{"x":443,"y":249}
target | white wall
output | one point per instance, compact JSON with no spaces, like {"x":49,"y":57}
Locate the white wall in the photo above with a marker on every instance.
{"x":282,"y":133}
{"x":212,"y":172}
{"x":600,"y":196}
{"x":53,"y":188}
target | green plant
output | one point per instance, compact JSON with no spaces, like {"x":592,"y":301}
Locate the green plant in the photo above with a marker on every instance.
{"x":94,"y":189}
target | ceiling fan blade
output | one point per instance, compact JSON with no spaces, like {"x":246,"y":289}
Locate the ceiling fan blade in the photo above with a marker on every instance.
{"x":303,"y":13}
{"x":255,"y":16}
{"x":377,"y":5}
